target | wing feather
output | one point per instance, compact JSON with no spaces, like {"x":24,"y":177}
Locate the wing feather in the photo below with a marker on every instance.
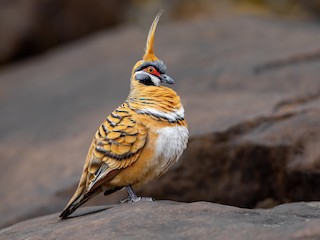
{"x":117,"y":144}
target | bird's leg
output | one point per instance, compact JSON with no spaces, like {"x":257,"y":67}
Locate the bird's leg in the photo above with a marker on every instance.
{"x":134,"y":198}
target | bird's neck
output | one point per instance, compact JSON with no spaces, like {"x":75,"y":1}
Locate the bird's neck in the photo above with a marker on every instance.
{"x":160,"y":98}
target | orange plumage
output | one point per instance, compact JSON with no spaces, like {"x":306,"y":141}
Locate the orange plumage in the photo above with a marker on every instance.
{"x":140,"y":139}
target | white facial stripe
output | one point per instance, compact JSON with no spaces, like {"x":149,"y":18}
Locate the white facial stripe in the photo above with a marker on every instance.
{"x":173,"y":116}
{"x":156,"y":81}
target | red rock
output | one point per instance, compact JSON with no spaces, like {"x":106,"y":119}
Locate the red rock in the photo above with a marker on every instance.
{"x":31,"y":27}
{"x":172,"y":220}
{"x":249,"y":147}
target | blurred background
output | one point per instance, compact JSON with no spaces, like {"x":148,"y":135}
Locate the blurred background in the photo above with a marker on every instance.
{"x":247,"y":72}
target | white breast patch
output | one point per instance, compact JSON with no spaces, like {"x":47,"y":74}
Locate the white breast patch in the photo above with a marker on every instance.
{"x":171,"y":143}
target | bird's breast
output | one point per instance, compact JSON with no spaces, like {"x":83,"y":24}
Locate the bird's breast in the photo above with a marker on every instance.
{"x":170,"y":144}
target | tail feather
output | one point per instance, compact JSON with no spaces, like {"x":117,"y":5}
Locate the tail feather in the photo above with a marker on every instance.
{"x":81,"y":199}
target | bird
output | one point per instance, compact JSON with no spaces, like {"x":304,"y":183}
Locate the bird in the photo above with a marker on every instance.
{"x":140,"y":139}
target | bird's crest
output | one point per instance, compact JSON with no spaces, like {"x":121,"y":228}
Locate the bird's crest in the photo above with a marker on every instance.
{"x":149,"y":51}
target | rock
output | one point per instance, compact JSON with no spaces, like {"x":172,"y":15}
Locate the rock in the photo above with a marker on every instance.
{"x":257,"y":163}
{"x":30,"y":27}
{"x":251,"y":102}
{"x":173,"y":220}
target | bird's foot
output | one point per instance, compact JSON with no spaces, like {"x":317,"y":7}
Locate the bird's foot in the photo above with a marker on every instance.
{"x":137,"y":199}
{"x":134,"y":198}
{"x":145,"y":199}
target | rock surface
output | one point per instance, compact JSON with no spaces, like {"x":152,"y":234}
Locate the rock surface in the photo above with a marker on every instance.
{"x":257,"y":163}
{"x":251,"y":99}
{"x":172,"y":220}
{"x":30,"y":27}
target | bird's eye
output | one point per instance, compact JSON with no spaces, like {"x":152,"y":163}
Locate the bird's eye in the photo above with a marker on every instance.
{"x":150,"y":69}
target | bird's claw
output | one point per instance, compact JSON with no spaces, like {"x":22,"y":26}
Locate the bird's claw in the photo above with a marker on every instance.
{"x":137,"y":199}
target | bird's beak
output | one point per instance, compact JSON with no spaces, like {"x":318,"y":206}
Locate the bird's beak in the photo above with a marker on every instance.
{"x":166,"y":79}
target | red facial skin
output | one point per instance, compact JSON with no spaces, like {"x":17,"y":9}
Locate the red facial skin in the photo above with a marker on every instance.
{"x":152,"y":71}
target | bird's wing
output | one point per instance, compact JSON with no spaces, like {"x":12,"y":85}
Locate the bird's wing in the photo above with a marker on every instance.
{"x":117,"y":144}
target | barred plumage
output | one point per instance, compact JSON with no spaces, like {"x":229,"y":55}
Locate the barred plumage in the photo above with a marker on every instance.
{"x":140,"y":139}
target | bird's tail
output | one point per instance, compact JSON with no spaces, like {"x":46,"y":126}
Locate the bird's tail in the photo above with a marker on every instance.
{"x":78,"y":201}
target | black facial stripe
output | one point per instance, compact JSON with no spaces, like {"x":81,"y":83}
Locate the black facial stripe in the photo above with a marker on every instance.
{"x":161,"y":68}
{"x":147,"y":82}
{"x":144,"y":79}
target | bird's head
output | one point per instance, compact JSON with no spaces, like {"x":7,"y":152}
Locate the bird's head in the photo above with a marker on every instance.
{"x":150,"y":71}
